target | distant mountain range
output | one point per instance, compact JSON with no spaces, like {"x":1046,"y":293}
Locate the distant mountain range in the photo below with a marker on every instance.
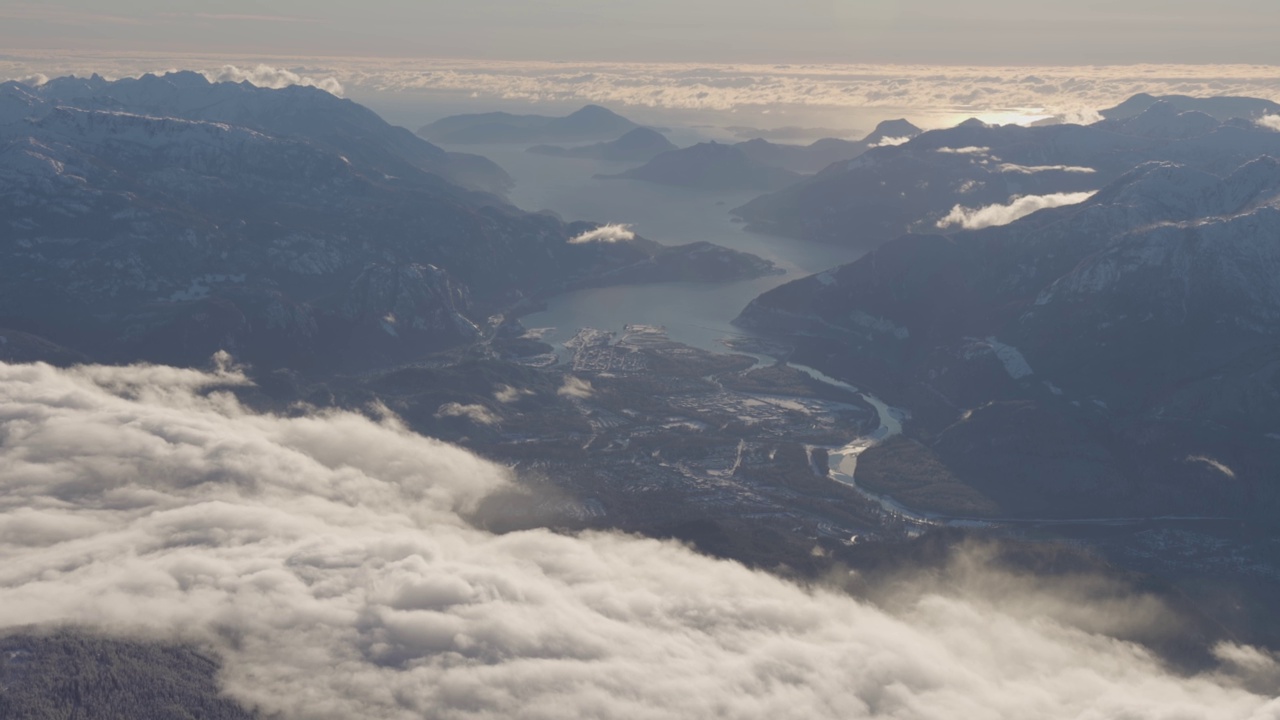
{"x":759,"y":164}
{"x":913,"y":186}
{"x":1220,"y":108}
{"x":592,"y":122}
{"x":322,"y":120}
{"x":639,"y":145}
{"x":1116,"y":357}
{"x":709,"y":166}
{"x":165,"y":218}
{"x":811,"y":158}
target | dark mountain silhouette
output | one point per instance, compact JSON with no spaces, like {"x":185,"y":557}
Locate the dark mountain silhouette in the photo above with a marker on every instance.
{"x":138,"y":229}
{"x":910,"y":187}
{"x":592,"y":122}
{"x":1220,"y":108}
{"x":639,"y":145}
{"x":1120,"y":356}
{"x":709,"y":166}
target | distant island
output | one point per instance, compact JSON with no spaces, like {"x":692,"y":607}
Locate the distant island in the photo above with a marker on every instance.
{"x":639,"y":145}
{"x":592,"y":122}
{"x":1221,"y":108}
{"x":709,"y":166}
{"x":759,"y":164}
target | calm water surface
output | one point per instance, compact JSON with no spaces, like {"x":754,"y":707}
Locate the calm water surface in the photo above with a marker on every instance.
{"x":697,"y":314}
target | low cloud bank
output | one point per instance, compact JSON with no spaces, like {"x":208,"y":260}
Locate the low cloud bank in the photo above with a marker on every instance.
{"x":611,"y":233}
{"x":1017,"y":208}
{"x":507,"y":394}
{"x":1033,"y":169}
{"x":576,"y":388}
{"x":1270,"y":121}
{"x":328,"y":560}
{"x":946,"y":94}
{"x":478,"y":414}
{"x":970,"y":150}
{"x":892,"y":141}
{"x":265,"y":76}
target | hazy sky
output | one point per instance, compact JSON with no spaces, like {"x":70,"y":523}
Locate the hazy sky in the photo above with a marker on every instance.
{"x":839,"y":31}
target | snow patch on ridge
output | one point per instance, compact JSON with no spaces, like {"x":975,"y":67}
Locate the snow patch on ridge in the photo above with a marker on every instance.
{"x":1012,"y":359}
{"x":1015,"y":364}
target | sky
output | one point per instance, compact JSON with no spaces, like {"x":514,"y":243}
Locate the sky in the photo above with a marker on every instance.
{"x":936,"y":32}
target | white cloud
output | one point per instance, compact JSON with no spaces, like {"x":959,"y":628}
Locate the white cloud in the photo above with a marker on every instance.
{"x":1083,"y":115}
{"x":1271,"y":122}
{"x":507,"y":394}
{"x":1032,"y":169}
{"x":478,"y":414}
{"x":1215,"y":464}
{"x":266,"y":76}
{"x":1256,"y":667}
{"x":328,"y":561}
{"x":892,"y":141}
{"x":575,"y":387}
{"x":970,"y":150}
{"x":611,"y":233}
{"x":1018,"y":207}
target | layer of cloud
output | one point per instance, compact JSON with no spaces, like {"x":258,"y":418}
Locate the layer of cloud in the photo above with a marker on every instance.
{"x":507,"y":394}
{"x":266,"y":76}
{"x":478,"y":414}
{"x":611,"y":233}
{"x":1215,"y":464}
{"x":983,"y":155}
{"x":1032,"y":169}
{"x":969,"y":150}
{"x":575,"y":387}
{"x":943,"y":95}
{"x":892,"y":141}
{"x":327,"y":559}
{"x":1017,"y":208}
{"x":1270,"y":121}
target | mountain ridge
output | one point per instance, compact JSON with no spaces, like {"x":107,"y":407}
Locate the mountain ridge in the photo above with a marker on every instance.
{"x":913,"y":186}
{"x":591,"y":122}
{"x":1142,"y":327}
{"x":135,"y":233}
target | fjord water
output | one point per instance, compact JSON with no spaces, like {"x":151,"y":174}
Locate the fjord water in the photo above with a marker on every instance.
{"x":697,"y":314}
